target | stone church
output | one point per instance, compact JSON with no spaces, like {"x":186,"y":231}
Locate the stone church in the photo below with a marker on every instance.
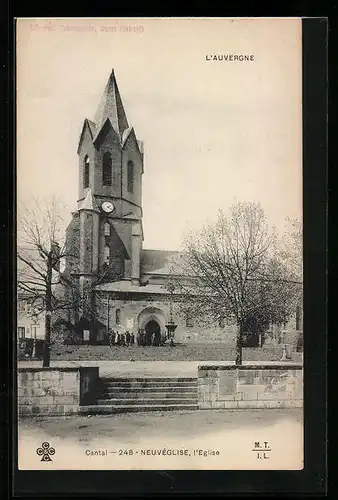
{"x":105,"y":237}
{"x":106,"y":234}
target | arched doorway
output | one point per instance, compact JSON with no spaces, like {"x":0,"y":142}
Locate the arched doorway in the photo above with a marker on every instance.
{"x":152,"y":320}
{"x":153,"y":333}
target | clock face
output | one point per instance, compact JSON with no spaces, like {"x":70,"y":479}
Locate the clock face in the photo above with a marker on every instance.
{"x":108,"y":207}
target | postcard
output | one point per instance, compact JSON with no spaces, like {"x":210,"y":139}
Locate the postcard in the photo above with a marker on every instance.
{"x":159,"y":266}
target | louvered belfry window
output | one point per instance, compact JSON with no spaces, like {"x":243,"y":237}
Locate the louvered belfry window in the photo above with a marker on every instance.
{"x":107,"y":175}
{"x":130,"y":179}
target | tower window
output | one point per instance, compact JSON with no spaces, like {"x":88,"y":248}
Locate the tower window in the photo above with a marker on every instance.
{"x":107,"y":170}
{"x":107,"y":255}
{"x":107,"y":229}
{"x":86,"y":172}
{"x":130,"y":179}
{"x":118,"y":316}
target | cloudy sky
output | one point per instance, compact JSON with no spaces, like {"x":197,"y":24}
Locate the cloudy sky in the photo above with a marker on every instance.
{"x":213,"y":131}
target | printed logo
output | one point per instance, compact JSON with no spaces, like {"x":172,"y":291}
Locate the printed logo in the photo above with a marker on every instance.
{"x":45,"y":452}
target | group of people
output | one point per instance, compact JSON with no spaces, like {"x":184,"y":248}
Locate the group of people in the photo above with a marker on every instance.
{"x":128,"y":339}
{"x":143,"y":338}
{"x":121,"y":339}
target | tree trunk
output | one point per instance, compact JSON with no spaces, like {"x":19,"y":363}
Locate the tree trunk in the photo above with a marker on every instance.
{"x":46,"y":354}
{"x":239,"y":346}
{"x":48,"y":317}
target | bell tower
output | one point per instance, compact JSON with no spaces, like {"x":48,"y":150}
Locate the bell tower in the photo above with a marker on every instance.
{"x":110,"y":192}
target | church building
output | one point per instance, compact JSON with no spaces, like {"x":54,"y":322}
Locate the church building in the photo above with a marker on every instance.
{"x":105,"y":236}
{"x":128,"y":283}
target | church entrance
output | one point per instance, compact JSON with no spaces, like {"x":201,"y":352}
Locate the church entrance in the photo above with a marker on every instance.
{"x":153,"y":333}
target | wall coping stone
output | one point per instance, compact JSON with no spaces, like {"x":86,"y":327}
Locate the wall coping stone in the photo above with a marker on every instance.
{"x":280,"y":366}
{"x":31,"y":369}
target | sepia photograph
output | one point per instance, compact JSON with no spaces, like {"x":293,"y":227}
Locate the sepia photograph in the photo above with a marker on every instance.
{"x":159,"y":244}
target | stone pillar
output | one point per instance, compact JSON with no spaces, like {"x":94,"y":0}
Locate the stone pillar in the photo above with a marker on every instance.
{"x":82,"y":242}
{"x":136,"y":247}
{"x":95,"y":242}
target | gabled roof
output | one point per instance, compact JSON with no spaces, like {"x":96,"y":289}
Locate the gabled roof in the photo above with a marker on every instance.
{"x":128,"y":287}
{"x":157,"y":261}
{"x":130,"y":132}
{"x":92,"y":129}
{"x":111,"y":107}
{"x":106,"y":127}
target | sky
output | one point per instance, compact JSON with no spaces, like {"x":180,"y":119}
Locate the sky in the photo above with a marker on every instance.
{"x":213,"y":131}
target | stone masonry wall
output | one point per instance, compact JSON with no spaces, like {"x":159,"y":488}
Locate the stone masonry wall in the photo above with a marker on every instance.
{"x":55,"y":391}
{"x":272,"y":386}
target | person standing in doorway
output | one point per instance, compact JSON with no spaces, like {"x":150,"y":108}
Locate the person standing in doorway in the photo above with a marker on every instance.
{"x":128,"y":338}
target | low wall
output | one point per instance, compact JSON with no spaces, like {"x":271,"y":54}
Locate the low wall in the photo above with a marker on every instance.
{"x":56,"y":391}
{"x":259,"y":386}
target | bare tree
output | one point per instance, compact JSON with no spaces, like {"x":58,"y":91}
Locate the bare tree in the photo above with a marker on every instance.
{"x":41,"y":249}
{"x":229,"y":270}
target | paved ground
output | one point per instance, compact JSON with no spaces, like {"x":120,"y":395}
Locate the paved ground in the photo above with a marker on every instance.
{"x":122,"y":438}
{"x":144,"y":368}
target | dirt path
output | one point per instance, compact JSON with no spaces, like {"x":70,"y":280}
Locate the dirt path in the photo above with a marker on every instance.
{"x":137,"y":441}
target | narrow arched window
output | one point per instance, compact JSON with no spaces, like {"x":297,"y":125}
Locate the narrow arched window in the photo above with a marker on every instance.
{"x":107,"y":170}
{"x":106,"y":229}
{"x":130,"y":176}
{"x":118,"y":316}
{"x":107,"y":254}
{"x":86,"y":172}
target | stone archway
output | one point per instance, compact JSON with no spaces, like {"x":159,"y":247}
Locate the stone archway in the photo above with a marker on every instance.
{"x":152,"y":320}
{"x":153,"y":332}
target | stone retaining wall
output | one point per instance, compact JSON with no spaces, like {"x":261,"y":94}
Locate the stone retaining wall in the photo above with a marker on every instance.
{"x":56,"y":391}
{"x":259,"y":386}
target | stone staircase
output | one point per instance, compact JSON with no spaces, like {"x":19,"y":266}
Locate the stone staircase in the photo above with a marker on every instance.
{"x":121,"y":395}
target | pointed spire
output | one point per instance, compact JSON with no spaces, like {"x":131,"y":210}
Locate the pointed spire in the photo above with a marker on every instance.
{"x":89,"y":203}
{"x":111,"y":107}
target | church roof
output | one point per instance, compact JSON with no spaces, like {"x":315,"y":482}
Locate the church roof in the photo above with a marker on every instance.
{"x":128,"y":287}
{"x":89,"y":203}
{"x":111,"y":107}
{"x":92,"y":127}
{"x":157,"y":261}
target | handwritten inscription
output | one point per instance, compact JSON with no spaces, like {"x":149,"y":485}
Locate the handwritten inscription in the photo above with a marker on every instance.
{"x":51,"y":26}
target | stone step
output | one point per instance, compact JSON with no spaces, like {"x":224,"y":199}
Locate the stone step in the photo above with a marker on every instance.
{"x":148,"y":401}
{"x":141,"y":385}
{"x":156,"y":393}
{"x":149,"y":379}
{"x":111,"y":409}
{"x":149,"y":388}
